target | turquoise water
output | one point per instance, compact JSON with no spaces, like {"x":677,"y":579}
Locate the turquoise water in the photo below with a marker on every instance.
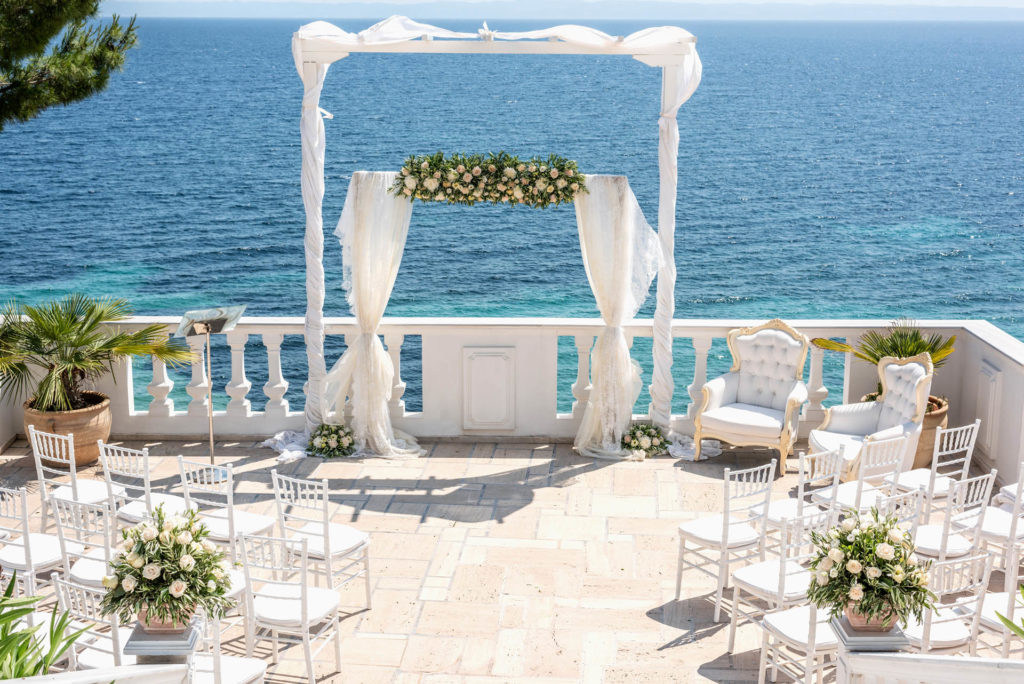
{"x":826,"y":170}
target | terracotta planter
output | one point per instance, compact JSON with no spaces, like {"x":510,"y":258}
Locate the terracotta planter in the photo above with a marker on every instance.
{"x":863,"y":624}
{"x":87,"y":425}
{"x":938,"y":418}
{"x":157,"y":626}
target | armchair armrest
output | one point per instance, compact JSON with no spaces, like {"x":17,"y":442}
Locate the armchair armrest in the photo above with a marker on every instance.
{"x":852,"y":419}
{"x":720,"y":391}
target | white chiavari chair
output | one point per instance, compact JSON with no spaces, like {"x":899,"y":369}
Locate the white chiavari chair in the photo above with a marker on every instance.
{"x":104,"y":647}
{"x":959,"y":533}
{"x":212,"y":666}
{"x":878,"y":461}
{"x":282,"y":605}
{"x":24,"y":552}
{"x":340,"y":552}
{"x":951,"y":462}
{"x":736,"y":536}
{"x":959,"y":585}
{"x":1002,"y":529}
{"x":815,"y":471}
{"x":799,"y":641}
{"x":906,"y":507}
{"x":55,"y":458}
{"x":86,"y":534}
{"x":128,"y":471}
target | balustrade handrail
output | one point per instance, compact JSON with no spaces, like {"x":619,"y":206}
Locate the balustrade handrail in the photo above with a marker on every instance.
{"x":933,"y":669}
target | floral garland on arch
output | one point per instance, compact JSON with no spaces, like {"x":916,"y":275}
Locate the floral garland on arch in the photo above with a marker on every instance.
{"x":496,"y":178}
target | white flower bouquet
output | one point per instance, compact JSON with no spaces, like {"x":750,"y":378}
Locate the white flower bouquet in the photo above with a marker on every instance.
{"x":331,"y":441}
{"x":496,"y":178}
{"x":866,"y":567}
{"x":644,"y":440}
{"x":166,"y":568}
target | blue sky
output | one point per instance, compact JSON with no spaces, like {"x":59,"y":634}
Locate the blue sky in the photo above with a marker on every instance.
{"x":581,"y":10}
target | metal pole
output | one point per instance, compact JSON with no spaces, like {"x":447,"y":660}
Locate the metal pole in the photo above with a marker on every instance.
{"x":209,"y":375}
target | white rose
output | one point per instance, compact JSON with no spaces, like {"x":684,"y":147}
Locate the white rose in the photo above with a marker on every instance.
{"x":130,"y":557}
{"x":854,"y":567}
{"x":510,"y":172}
{"x":430,"y":184}
{"x":656,"y":441}
{"x":885,"y":551}
{"x":138,"y":562}
{"x":410,"y":183}
{"x":856,"y":592}
{"x":109,"y":581}
{"x":554,"y":173}
{"x":184,"y":538}
{"x":912,"y":560}
{"x":477,"y":171}
{"x":521,"y":167}
{"x":177,"y":588}
{"x":187,"y":562}
{"x":149,"y":533}
{"x":821,"y":578}
{"x":873,"y":573}
{"x":518,"y":193}
{"x":896,"y":536}
{"x":178,"y":521}
{"x":209,"y":546}
{"x":151,"y":571}
{"x":127,"y":545}
{"x":836,"y":555}
{"x":645,"y":442}
{"x":333,"y":443}
{"x":318,"y":442}
{"x":195,"y":547}
{"x":167,"y":526}
{"x":129,"y":583}
{"x":424,"y":165}
{"x":575,"y":186}
{"x":345,"y":441}
{"x":825,"y":564}
{"x":848,"y":524}
{"x":834,"y":572}
{"x":165,"y":537}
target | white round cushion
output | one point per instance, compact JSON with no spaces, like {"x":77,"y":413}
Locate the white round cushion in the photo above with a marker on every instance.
{"x":94,"y":659}
{"x":233,"y":669}
{"x":919,"y":477}
{"x":948,"y":633}
{"x":280,"y":604}
{"x":89,"y":491}
{"x":793,"y":627}
{"x":45,"y":550}
{"x":929,"y":542}
{"x":708,"y":532}
{"x":90,"y":569}
{"x":762,"y":579}
{"x":135,"y":510}
{"x":245,"y":523}
{"x":344,"y":538}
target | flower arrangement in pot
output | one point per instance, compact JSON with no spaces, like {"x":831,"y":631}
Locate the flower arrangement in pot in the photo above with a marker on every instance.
{"x":52,"y":352}
{"x":331,"y":441}
{"x":865,"y":568}
{"x":902,"y":340}
{"x":165,"y":569}
{"x":644,"y":440}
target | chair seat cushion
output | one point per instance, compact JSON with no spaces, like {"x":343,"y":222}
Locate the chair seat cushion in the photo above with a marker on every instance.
{"x":823,"y":440}
{"x":999,"y":602}
{"x":90,"y":569}
{"x":95,"y":659}
{"x":785,"y":509}
{"x":245,"y":523}
{"x":344,"y":538}
{"x":45,"y":550}
{"x":233,"y":669}
{"x":793,"y":627}
{"x":919,"y":477}
{"x":707,"y":531}
{"x":756,"y":422}
{"x":1009,"y":492}
{"x":995,"y":526}
{"x":845,"y":496}
{"x":89,"y":491}
{"x":280,"y":605}
{"x":135,"y":511}
{"x":929,"y":542}
{"x":947,"y":631}
{"x":762,"y":579}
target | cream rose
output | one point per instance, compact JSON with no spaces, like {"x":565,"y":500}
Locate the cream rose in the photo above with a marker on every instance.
{"x":430,"y":184}
{"x":165,"y":537}
{"x":821,"y":578}
{"x":184,"y":538}
{"x":151,"y":571}
{"x":109,"y":581}
{"x":854,"y":567}
{"x":410,"y":182}
{"x":896,"y":536}
{"x":825,"y":564}
{"x":856,"y":592}
{"x":848,"y":524}
{"x":645,"y":442}
{"x":149,"y":533}
{"x":187,"y":562}
{"x":129,"y":583}
{"x":873,"y":573}
{"x":885,"y":551}
{"x":836,"y":555}
{"x":509,"y":172}
{"x":177,"y":588}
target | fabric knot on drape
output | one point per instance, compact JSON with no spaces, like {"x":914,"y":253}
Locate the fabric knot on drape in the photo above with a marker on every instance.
{"x":621,"y":255}
{"x":373,"y":228}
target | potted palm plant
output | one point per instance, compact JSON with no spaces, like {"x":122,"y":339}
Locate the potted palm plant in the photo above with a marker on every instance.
{"x":903,"y":340}
{"x":53,"y":352}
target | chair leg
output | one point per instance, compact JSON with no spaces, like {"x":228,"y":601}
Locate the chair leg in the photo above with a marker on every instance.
{"x":366,"y":576}
{"x":679,"y":567}
{"x":273,"y":641}
{"x":696,"y":445}
{"x":764,"y":656}
{"x":337,"y":642}
{"x":809,"y":662}
{"x":723,"y":570}
{"x":733,"y":618}
{"x":307,"y":649}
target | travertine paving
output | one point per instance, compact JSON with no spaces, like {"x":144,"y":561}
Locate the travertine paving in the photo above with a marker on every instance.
{"x":506,"y":563}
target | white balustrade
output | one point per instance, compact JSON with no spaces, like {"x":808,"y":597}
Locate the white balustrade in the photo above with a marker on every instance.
{"x":701,"y":347}
{"x":393,"y":342}
{"x":199,"y":386}
{"x":817,"y":393}
{"x":160,"y":389}
{"x":239,"y":385}
{"x":276,"y":386}
{"x":581,"y":388}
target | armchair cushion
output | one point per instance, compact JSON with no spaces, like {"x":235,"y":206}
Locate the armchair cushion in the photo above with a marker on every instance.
{"x":900,"y":402}
{"x":825,"y":440}
{"x":766,"y":373}
{"x":853,"y":419}
{"x":747,"y":420}
{"x":721,"y":390}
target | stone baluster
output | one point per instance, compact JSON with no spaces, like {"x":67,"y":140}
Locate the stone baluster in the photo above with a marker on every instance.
{"x":161,"y":405}
{"x":276,"y":386}
{"x":200,"y":384}
{"x":393,"y":342}
{"x":239,"y":385}
{"x":581,"y":388}
{"x":814,"y":412}
{"x":701,"y":347}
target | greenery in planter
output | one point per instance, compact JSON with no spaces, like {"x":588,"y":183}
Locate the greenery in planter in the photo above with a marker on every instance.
{"x":903,"y":339}
{"x":68,"y":341}
{"x":869,"y":562}
{"x":23,"y":651}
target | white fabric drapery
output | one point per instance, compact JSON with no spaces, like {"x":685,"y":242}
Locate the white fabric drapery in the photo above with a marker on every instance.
{"x":621,"y":255}
{"x":372,"y":231}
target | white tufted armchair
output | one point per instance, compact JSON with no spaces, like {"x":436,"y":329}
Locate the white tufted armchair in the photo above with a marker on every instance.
{"x":898,"y":411}
{"x":757,"y":403}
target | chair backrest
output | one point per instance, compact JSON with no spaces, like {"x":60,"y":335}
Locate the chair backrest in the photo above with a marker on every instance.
{"x":271,"y":563}
{"x":905,"y":387}
{"x":959,"y":586}
{"x":796,"y":546}
{"x":82,"y":528}
{"x":127,"y":468}
{"x":208,"y":485}
{"x":906,"y":507}
{"x":954,"y":449}
{"x":747,"y":494}
{"x":818,"y":471}
{"x":878,"y":465}
{"x":14,"y":523}
{"x":86,"y":604}
{"x":54,"y":457}
{"x":968,"y":500}
{"x":301,"y":502}
{"x":768,"y":358}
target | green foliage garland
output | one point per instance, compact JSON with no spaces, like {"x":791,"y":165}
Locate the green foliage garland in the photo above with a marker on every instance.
{"x":496,"y":178}
{"x":168,"y":566}
{"x":869,"y":562}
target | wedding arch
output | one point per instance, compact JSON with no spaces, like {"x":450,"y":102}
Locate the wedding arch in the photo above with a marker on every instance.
{"x":317,"y":45}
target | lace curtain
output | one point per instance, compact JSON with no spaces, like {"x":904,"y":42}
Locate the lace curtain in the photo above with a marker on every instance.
{"x":372,"y":230}
{"x":621,"y":255}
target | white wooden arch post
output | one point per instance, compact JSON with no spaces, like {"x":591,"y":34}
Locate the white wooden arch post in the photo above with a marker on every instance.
{"x":315,"y":46}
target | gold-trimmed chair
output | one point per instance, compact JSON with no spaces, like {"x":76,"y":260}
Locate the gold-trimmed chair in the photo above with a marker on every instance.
{"x":898,"y":412}
{"x":757,"y":403}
